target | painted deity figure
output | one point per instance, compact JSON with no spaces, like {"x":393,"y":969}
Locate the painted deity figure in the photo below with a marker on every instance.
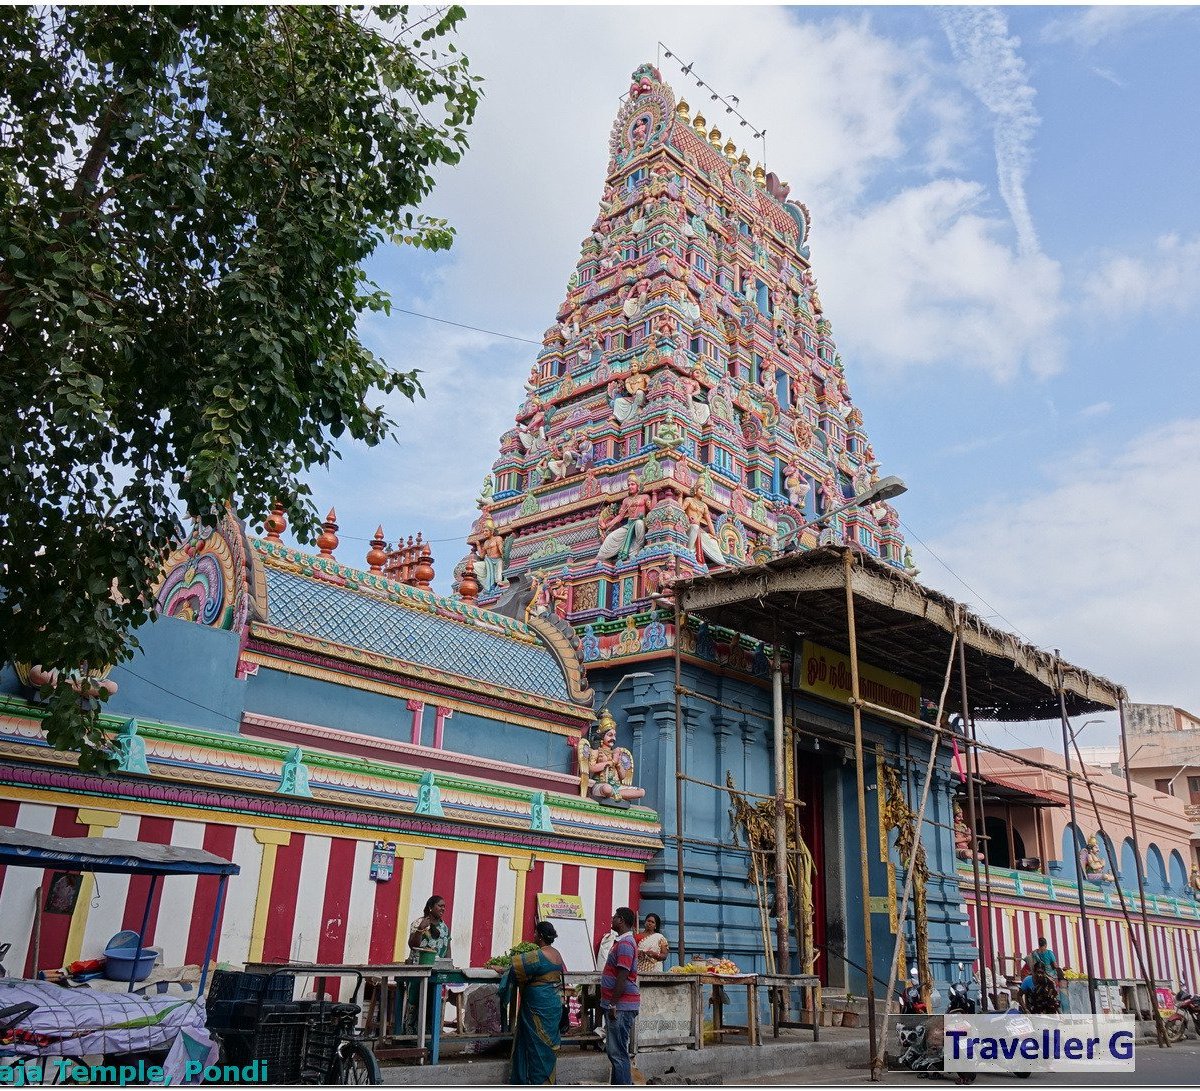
{"x":609,"y":768}
{"x":636,"y":383}
{"x":487,"y":492}
{"x":625,"y":531}
{"x":702,"y":534}
{"x":534,"y":428}
{"x":130,"y":749}
{"x":962,"y":835}
{"x":802,"y":432}
{"x":693,"y":389}
{"x":1093,"y":862}
{"x":831,"y":493}
{"x":429,"y":796}
{"x":796,"y":484}
{"x":490,"y":571}
{"x":1194,"y":881}
{"x":293,"y":778}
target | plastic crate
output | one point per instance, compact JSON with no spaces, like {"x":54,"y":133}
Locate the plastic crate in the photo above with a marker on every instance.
{"x":233,"y":985}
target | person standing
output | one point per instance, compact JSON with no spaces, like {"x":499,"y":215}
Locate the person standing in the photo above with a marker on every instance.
{"x":538,"y":977}
{"x":1046,"y":957}
{"x":620,"y":999}
{"x":428,"y":941}
{"x":653,"y":949}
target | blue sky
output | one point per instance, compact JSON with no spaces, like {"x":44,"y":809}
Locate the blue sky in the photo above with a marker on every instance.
{"x":1007,"y":241}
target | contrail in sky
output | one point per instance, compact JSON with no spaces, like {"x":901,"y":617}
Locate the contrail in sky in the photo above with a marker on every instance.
{"x":991,"y":67}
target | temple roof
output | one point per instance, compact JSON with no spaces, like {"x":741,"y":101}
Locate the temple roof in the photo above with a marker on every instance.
{"x":405,"y":631}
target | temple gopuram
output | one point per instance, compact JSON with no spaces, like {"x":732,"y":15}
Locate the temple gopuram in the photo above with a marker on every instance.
{"x":689,"y":407}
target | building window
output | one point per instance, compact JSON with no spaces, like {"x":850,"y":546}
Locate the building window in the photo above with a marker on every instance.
{"x":696,"y":345}
{"x":1194,"y":789}
{"x":628,"y":252}
{"x":635,"y":179}
{"x":722,"y":459}
{"x":585,"y":275}
{"x":1163,"y":784}
{"x":700,"y":263}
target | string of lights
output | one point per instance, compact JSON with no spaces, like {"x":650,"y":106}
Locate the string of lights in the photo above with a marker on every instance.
{"x":732,"y":104}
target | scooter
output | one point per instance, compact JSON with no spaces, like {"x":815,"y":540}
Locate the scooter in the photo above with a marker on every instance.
{"x":910,"y":998}
{"x":961,"y":1002}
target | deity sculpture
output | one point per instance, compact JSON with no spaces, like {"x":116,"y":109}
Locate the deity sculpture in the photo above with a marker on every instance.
{"x":702,"y":535}
{"x":130,"y":750}
{"x":796,"y":484}
{"x":962,"y":835}
{"x":429,"y":796}
{"x":693,"y":389}
{"x":1194,"y":881}
{"x":487,"y":492}
{"x":802,"y":432}
{"x":1093,"y":863}
{"x":636,"y":383}
{"x":831,"y":493}
{"x":605,"y":769}
{"x":293,"y":778}
{"x":490,"y":571}
{"x":625,"y":531}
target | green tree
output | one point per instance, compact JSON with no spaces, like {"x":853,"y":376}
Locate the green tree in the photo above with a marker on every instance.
{"x":189,"y":195}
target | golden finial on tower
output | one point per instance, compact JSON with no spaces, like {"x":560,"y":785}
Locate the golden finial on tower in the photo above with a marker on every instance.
{"x":683,"y":110}
{"x":730,"y":151}
{"x":714,"y":137}
{"x":760,"y":175}
{"x":744,"y":161}
{"x":700,"y":125}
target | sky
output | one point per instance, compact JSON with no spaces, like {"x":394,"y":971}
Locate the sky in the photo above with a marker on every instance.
{"x":1006,"y":236}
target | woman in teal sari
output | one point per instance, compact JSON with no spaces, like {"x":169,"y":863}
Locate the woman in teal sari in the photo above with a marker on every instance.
{"x":538,"y":975}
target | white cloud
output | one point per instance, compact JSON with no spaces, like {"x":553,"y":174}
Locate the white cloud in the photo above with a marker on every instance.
{"x":1090,"y":27}
{"x":1164,"y":281}
{"x":1095,"y":562}
{"x":1109,"y":75}
{"x":992,"y":68}
{"x":1096,"y":409}
{"x":924,"y":278}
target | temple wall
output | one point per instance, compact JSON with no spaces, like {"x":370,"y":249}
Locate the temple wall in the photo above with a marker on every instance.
{"x":304,"y":891}
{"x":1026,"y":906}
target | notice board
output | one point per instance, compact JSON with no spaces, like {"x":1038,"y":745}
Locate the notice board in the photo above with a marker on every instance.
{"x":574,"y":943}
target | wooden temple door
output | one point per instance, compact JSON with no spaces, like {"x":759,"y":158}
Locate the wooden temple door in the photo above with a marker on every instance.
{"x":810,"y":773}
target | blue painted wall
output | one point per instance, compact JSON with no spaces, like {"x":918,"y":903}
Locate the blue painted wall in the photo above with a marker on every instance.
{"x":722,"y":916}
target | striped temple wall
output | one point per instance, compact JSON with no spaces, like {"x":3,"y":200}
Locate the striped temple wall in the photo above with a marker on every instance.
{"x":304,"y":892}
{"x":1017,"y":920}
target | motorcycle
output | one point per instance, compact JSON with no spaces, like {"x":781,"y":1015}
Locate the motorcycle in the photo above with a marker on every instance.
{"x":1188,"y":1004}
{"x":910,"y":998}
{"x":960,"y":1002}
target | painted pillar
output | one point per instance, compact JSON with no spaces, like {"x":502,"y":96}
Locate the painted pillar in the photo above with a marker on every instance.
{"x":97,"y":822}
{"x":270,"y":839}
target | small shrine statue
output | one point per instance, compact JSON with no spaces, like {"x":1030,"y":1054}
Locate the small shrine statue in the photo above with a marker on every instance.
{"x":702,"y":535}
{"x":625,"y":531}
{"x":539,"y":813}
{"x":487,"y":492}
{"x":130,"y":750}
{"x":490,"y":571}
{"x":962,"y":835}
{"x":605,"y":769}
{"x":293,"y":779}
{"x":636,"y":383}
{"x":429,"y":796}
{"x":796,"y":484}
{"x":1194,"y":881}
{"x":1093,"y":863}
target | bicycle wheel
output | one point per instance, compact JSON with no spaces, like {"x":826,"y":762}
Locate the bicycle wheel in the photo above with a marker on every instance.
{"x":357,"y":1065}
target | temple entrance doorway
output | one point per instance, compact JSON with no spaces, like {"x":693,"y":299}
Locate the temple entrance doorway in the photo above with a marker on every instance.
{"x":810,"y":776}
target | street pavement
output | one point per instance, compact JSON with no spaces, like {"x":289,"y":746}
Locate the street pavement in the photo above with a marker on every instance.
{"x":1178,"y":1066}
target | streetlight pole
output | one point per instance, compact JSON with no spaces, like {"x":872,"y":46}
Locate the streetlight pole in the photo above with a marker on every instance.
{"x":884,"y":489}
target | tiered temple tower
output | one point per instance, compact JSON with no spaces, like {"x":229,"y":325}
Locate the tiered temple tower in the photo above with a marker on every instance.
{"x":689,"y":407}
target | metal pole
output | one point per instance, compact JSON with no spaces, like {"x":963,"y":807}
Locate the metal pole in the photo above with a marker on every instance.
{"x":142,"y":931}
{"x":679,"y":791}
{"x":1083,"y":915}
{"x":1012,"y":848}
{"x":212,"y":932}
{"x":971,"y":816}
{"x":864,"y":853}
{"x":783,"y":957}
{"x":1148,"y":945}
{"x":987,"y":863}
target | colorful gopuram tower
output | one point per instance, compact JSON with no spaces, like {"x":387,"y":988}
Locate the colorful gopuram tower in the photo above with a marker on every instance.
{"x":688,"y":408}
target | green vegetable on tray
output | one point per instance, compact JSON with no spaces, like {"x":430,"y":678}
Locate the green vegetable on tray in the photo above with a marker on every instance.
{"x":502,"y":962}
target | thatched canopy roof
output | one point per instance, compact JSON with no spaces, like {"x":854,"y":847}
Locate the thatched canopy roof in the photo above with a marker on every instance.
{"x":902,"y":626}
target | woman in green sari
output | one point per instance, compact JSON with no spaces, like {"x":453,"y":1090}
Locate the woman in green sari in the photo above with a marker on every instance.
{"x":538,"y":975}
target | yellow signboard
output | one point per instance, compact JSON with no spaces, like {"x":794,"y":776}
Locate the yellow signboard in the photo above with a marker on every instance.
{"x":827,"y":674}
{"x":560,"y":907}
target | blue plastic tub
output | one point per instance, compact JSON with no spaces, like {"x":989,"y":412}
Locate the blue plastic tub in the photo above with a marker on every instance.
{"x":119,"y":962}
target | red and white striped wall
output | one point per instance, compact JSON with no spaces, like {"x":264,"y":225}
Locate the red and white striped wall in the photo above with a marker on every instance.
{"x":1015,"y":928}
{"x":301,"y":894}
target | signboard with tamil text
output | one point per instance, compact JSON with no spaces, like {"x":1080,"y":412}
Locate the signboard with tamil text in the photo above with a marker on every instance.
{"x":826,"y":673}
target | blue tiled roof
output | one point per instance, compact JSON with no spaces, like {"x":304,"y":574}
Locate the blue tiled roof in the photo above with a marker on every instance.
{"x":343,"y":616}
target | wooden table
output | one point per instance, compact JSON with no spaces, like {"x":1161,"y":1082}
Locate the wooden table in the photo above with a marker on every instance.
{"x":780,"y":986}
{"x":461,"y":976}
{"x":588,"y":985}
{"x":719,"y":983}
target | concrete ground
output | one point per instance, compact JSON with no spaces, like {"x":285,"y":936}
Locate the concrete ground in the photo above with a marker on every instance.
{"x":794,"y":1051}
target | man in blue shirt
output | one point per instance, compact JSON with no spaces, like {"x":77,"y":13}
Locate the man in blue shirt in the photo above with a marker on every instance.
{"x":619,"y":995}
